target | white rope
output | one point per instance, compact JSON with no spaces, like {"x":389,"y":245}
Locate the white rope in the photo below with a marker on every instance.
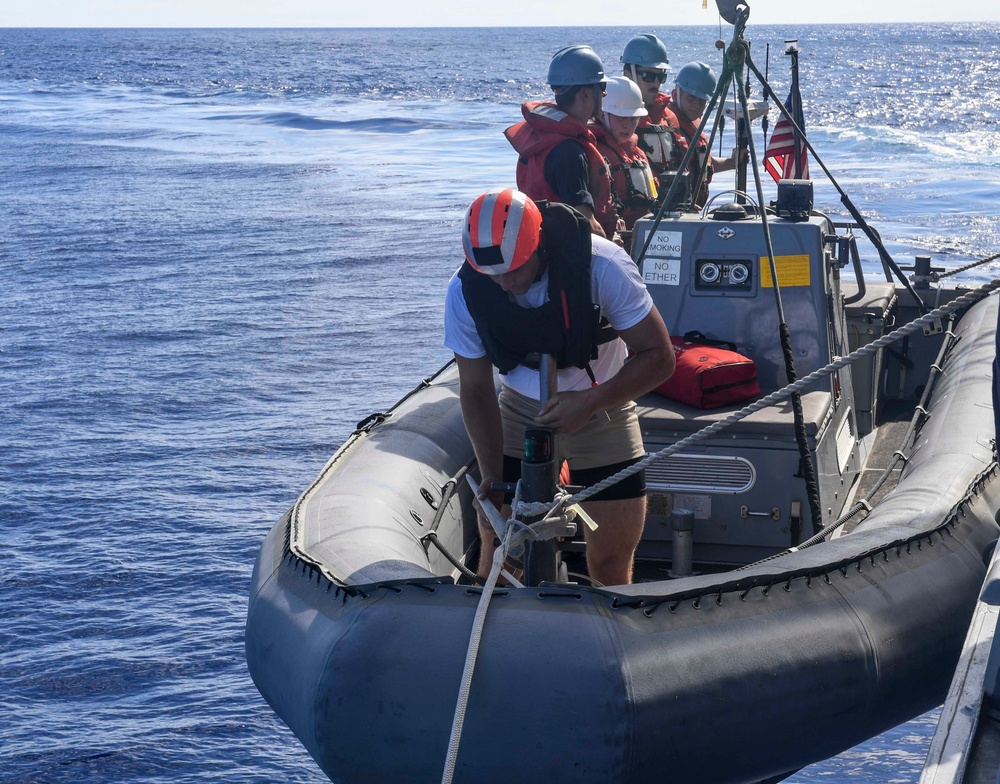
{"x":967,"y":299}
{"x":470,"y":659}
{"x":515,"y":532}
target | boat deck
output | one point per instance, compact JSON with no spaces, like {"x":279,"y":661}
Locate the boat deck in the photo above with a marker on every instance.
{"x":883,"y":444}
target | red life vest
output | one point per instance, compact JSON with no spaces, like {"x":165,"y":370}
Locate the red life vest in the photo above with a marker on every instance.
{"x":544,"y":126}
{"x":660,"y":137}
{"x":702,"y":156}
{"x":633,"y":188}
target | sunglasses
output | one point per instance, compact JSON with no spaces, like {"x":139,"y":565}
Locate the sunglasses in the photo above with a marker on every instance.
{"x":653,"y":76}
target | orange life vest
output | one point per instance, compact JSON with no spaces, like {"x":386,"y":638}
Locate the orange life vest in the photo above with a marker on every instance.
{"x":660,"y":137}
{"x":633,"y":187}
{"x":702,"y":156}
{"x":545,"y":125}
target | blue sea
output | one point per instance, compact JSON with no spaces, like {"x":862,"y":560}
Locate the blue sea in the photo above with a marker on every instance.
{"x":220,"y":249}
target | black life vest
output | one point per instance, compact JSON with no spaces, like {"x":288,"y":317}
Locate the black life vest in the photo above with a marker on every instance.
{"x":567,"y":325}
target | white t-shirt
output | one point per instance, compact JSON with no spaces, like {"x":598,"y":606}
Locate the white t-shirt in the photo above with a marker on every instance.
{"x":615,"y":285}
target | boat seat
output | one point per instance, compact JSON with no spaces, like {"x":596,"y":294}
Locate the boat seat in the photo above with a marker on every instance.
{"x":658,"y":414}
{"x":874,"y":306}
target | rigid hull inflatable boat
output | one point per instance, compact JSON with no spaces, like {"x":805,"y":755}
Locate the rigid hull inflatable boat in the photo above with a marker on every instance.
{"x":357,"y":631}
{"x":780,"y":615}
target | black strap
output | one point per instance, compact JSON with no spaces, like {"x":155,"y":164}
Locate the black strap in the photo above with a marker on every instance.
{"x":694,"y":336}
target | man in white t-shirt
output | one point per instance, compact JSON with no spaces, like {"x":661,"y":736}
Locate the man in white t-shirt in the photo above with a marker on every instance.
{"x":533,"y":277}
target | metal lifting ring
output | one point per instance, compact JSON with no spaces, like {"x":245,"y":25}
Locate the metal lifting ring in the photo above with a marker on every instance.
{"x":733,"y":192}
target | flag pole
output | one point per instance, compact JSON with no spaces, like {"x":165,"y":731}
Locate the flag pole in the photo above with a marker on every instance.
{"x":792,"y":50}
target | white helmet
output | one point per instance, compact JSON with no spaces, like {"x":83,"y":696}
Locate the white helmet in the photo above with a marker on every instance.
{"x":623,"y":99}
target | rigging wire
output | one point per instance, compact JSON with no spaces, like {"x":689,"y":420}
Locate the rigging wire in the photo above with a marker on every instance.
{"x":899,"y":456}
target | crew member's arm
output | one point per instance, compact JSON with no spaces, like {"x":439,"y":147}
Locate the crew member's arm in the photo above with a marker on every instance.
{"x":588,"y":212}
{"x":728,"y":164}
{"x":650,"y":363}
{"x":481,"y":413}
{"x":568,"y":174}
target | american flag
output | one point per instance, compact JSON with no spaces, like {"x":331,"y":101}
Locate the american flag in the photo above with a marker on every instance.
{"x":779,"y":157}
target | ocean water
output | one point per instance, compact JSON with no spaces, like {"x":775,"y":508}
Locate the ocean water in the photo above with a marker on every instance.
{"x":220,"y":249}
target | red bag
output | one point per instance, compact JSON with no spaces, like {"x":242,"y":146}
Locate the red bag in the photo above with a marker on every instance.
{"x":708,"y":375}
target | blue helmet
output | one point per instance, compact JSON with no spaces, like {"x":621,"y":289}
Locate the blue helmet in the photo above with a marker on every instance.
{"x":647,"y":50}
{"x":573,"y":65}
{"x":697,"y":79}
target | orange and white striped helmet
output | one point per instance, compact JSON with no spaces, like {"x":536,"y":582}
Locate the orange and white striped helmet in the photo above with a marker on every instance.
{"x":501,"y":231}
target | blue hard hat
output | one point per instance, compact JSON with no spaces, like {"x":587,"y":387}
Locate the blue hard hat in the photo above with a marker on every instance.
{"x":697,"y":79}
{"x":573,"y":65}
{"x":647,"y":50}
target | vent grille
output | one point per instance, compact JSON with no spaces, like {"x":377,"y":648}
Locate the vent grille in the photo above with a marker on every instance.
{"x":701,"y":473}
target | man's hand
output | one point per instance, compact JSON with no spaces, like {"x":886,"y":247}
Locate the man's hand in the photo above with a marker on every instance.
{"x":566,"y":412}
{"x":735,"y":158}
{"x":486,"y":493}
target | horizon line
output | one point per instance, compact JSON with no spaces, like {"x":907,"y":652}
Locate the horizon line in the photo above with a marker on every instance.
{"x":471,"y":27}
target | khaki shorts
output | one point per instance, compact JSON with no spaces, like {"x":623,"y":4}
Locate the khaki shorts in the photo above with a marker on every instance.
{"x":604,"y":440}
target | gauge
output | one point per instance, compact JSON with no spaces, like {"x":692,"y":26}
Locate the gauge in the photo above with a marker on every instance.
{"x":709,"y":273}
{"x":738,"y":274}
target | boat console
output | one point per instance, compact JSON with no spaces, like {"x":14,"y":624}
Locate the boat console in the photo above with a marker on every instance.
{"x":710,"y":273}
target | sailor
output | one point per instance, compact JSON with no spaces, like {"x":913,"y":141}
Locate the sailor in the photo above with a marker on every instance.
{"x":645,"y":62}
{"x":693,"y":88}
{"x":532,"y":277}
{"x":667,"y":130}
{"x":557,"y":154}
{"x":633,"y":187}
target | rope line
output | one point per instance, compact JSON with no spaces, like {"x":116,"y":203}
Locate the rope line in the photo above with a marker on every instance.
{"x":965,"y":300}
{"x":475,"y":640}
{"x":514,"y":536}
{"x":899,"y":456}
{"x":973,"y":265}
